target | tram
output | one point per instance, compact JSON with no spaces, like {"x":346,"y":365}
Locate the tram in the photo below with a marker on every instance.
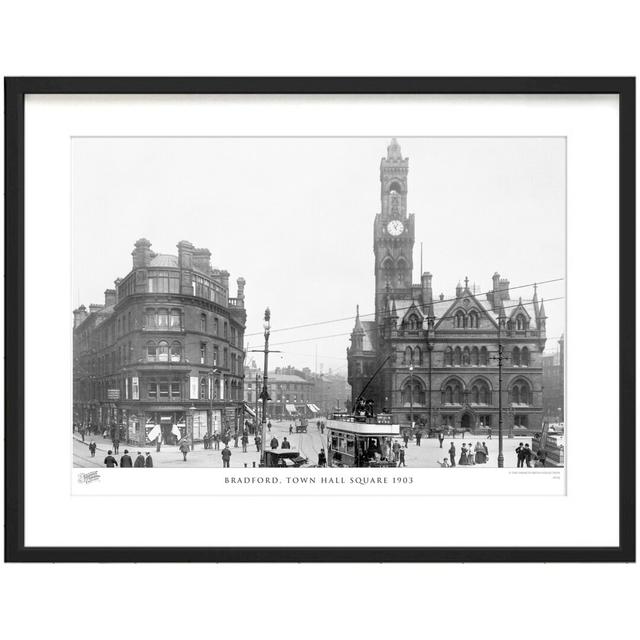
{"x":352,"y":443}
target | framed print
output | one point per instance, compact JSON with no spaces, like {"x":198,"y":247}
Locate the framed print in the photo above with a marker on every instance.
{"x":320,"y":319}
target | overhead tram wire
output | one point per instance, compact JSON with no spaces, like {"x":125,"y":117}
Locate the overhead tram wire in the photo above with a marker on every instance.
{"x":366,"y":315}
{"x":348,"y":333}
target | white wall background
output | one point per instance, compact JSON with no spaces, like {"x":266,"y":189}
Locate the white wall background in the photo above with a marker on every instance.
{"x":328,"y":38}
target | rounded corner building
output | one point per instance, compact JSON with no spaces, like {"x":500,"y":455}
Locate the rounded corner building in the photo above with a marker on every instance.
{"x":164,"y":350}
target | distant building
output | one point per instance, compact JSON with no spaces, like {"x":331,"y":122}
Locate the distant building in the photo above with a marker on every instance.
{"x":165,"y":348}
{"x":295,"y":392}
{"x":435,"y":356}
{"x":553,"y":384}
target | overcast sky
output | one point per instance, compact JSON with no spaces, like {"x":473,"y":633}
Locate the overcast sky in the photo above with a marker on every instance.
{"x":294,"y":217}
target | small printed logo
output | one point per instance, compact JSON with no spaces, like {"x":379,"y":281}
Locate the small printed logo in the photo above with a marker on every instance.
{"x":86,"y":478}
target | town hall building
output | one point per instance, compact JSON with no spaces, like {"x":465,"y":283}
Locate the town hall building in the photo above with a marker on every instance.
{"x":433,"y":360}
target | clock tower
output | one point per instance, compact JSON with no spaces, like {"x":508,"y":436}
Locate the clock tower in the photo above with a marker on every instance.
{"x":393,"y":230}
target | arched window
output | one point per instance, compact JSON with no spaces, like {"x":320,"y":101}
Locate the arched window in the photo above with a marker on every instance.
{"x":453,"y":392}
{"x":457,"y":356}
{"x":484,"y":357}
{"x":521,"y":322}
{"x":418,"y":397}
{"x":521,"y":392}
{"x":163,"y":351}
{"x":475,"y":357}
{"x":448,"y":357}
{"x":480,"y":392}
{"x":459,"y":320}
{"x":515,"y":356}
{"x":524,"y":357}
{"x":203,"y":322}
{"x":414,"y":322}
{"x":473,"y":319}
{"x":151,"y":351}
{"x":408,"y":356}
{"x":203,"y":389}
{"x":466,"y":357}
{"x":395,"y":186}
{"x":417,"y":356}
{"x":176,"y":351}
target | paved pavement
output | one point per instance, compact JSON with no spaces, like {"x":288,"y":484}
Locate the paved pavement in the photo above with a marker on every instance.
{"x":428,"y":454}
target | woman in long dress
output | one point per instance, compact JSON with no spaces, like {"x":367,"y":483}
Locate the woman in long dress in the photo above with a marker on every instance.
{"x":470,"y":457}
{"x":464,"y":460}
{"x":480,"y":457}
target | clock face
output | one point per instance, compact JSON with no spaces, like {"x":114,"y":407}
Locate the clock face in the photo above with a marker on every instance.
{"x":395,"y":227}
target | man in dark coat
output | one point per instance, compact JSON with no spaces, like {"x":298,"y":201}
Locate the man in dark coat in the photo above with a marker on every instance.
{"x":125,"y":460}
{"x":139,"y":460}
{"x":226,"y":456}
{"x":418,"y":437}
{"x":245,"y":441}
{"x":520,"y":454}
{"x":258,"y":440}
{"x":322,"y":459}
{"x":92,"y":449}
{"x":452,"y":454}
{"x":274,"y":442}
{"x":285,"y":443}
{"x":205,"y":440}
{"x":148,"y":461}
{"x":441,"y":438}
{"x":235,"y":439}
{"x":116,"y":445}
{"x":527,"y":453}
{"x":110,"y":461}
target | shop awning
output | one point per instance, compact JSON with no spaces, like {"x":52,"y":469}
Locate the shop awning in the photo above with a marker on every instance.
{"x":249,"y":410}
{"x":313,"y":408}
{"x":291,"y":408}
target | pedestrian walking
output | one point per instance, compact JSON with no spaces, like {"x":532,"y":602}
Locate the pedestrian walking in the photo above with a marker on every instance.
{"x":125,"y":459}
{"x":226,"y":456}
{"x":139,"y":460}
{"x":216,"y":441}
{"x":258,"y":441}
{"x":269,"y":426}
{"x":245,"y":442}
{"x":418,"y":437}
{"x":527,"y":454}
{"x":290,"y":429}
{"x":285,"y":443}
{"x":470,"y":457}
{"x":441,"y":438}
{"x":82,"y":433}
{"x":184,"y":447}
{"x":401,"y":461}
{"x":463,"y":456}
{"x":322,"y":458}
{"x":479,"y":455}
{"x":235,"y":439}
{"x":205,"y":440}
{"x":116,"y":445}
{"x":452,"y":454}
{"x":110,"y":461}
{"x":489,"y":433}
{"x":148,"y":461}
{"x":520,"y":454}
{"x":158,"y":443}
{"x":405,"y":437}
{"x":274,"y":442}
{"x":92,"y":449}
{"x":396,"y":451}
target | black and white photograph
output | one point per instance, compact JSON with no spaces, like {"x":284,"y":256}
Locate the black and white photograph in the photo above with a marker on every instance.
{"x":319,"y":302}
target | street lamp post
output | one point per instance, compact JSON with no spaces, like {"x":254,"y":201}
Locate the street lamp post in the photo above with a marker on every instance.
{"x":500,"y":357}
{"x":257,"y":398}
{"x":265,"y":394}
{"x":212,"y":386}
{"x":411,"y":393}
{"x":192,"y":415}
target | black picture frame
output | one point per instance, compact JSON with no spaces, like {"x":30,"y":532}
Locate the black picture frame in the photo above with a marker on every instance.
{"x":15,"y":91}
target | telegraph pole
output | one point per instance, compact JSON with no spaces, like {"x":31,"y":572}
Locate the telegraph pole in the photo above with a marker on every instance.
{"x":264,"y":396}
{"x":500,"y":357}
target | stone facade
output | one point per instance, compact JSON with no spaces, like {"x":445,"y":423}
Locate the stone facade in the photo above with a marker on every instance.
{"x":165,"y":348}
{"x":435,"y":357}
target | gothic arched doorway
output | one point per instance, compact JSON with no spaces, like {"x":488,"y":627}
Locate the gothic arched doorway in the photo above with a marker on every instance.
{"x":466,"y":422}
